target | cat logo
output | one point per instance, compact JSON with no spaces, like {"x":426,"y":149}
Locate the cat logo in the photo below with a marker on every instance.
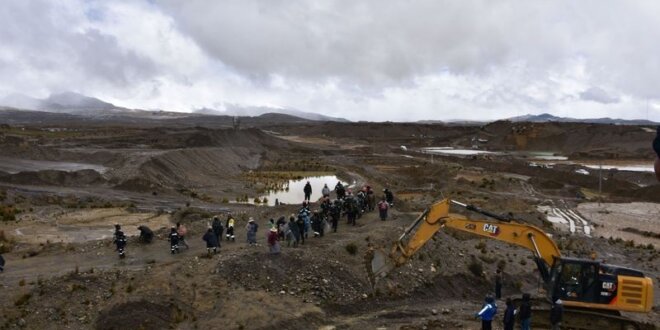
{"x":493,"y":230}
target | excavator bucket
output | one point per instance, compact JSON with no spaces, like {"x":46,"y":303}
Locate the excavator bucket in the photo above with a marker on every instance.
{"x":378,"y":265}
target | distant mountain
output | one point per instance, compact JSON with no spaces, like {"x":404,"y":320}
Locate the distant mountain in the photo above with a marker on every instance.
{"x":67,"y":102}
{"x":546,"y":117}
{"x":237,"y":110}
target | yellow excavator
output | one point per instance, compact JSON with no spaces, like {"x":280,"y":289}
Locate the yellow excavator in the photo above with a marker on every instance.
{"x":593,"y":293}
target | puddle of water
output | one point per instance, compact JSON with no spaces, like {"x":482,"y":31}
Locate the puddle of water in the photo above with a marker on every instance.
{"x":607,"y":165}
{"x":295,"y":194}
{"x":543,"y":155}
{"x":455,"y":152}
{"x":632,"y":168}
{"x":14,"y":165}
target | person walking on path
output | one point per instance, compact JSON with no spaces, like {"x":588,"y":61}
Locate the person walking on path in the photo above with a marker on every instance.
{"x":230,"y":228}
{"x":498,"y":284}
{"x":273,"y":241}
{"x":389,"y":197}
{"x":308,"y":191}
{"x":174,"y":241}
{"x":509,"y":319}
{"x":556,"y":314}
{"x":212,"y":241}
{"x":383,"y":206}
{"x":525,"y":312}
{"x":295,"y":231}
{"x":371,"y":199}
{"x":487,"y":313}
{"x":182,"y":231}
{"x":217,"y":229}
{"x":2,"y":264}
{"x":300,"y":222}
{"x":251,"y":229}
{"x":335,"y":214}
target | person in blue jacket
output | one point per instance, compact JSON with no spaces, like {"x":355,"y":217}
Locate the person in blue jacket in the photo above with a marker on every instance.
{"x":487,"y":313}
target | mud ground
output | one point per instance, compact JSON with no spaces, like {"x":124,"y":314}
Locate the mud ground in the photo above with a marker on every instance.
{"x":62,"y":271}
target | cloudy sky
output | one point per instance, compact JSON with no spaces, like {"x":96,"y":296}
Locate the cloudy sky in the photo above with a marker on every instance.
{"x":363,"y":60}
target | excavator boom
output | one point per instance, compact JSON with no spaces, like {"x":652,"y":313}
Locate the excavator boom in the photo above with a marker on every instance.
{"x":437,"y":216}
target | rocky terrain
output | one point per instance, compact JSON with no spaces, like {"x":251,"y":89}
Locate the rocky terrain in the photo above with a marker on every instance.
{"x":66,"y":180}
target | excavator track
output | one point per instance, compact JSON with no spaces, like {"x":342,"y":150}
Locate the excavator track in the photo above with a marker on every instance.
{"x":584,"y":319}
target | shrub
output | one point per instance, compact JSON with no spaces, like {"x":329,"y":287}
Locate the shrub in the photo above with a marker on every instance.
{"x":351,"y":248}
{"x":22,"y":300}
{"x":475,"y":267}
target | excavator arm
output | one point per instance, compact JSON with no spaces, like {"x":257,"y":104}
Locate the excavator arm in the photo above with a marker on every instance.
{"x":437,"y":216}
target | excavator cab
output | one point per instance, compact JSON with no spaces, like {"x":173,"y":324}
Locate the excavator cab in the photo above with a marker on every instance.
{"x":591,"y":284}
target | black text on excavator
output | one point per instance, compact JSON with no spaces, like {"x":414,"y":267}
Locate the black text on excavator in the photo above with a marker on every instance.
{"x":593,"y":291}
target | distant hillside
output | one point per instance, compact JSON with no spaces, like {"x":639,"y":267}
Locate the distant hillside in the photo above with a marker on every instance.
{"x":546,"y":117}
{"x":237,"y":110}
{"x":67,"y":102}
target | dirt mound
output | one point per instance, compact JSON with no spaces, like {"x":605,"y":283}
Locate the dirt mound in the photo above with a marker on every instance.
{"x":140,"y":314}
{"x":578,"y":140}
{"x":296,"y":273}
{"x":55,"y":178}
{"x":650,"y":193}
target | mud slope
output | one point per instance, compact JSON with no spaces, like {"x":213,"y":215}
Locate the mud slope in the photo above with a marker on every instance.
{"x":204,"y":159}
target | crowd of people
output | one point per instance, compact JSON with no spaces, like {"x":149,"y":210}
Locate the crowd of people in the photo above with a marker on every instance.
{"x":312,"y":219}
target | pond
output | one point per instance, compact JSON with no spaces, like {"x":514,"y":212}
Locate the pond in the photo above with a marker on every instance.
{"x":293,"y":190}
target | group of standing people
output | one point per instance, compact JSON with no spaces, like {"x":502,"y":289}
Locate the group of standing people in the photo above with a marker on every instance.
{"x":294,"y":231}
{"x":524,"y":313}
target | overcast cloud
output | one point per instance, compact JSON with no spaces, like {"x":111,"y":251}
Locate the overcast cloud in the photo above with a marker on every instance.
{"x":362,"y":60}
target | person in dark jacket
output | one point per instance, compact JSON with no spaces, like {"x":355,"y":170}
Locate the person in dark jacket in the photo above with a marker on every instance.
{"x":120,"y":241}
{"x":317,"y":224}
{"x":335,"y":214}
{"x":118,"y":233}
{"x":525,"y":312}
{"x":308,"y":191}
{"x":211,"y":240}
{"x":487,"y":313}
{"x":146,"y":235}
{"x":656,"y":147}
{"x":498,"y":284}
{"x":295,"y":230}
{"x":340,"y":190}
{"x":281,"y":221}
{"x":300,"y":222}
{"x":351,"y":208}
{"x":509,"y":319}
{"x":218,"y":229}
{"x":371,"y":199}
{"x":2,"y":264}
{"x":389,"y":196}
{"x":556,"y":314}
{"x":174,"y":241}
